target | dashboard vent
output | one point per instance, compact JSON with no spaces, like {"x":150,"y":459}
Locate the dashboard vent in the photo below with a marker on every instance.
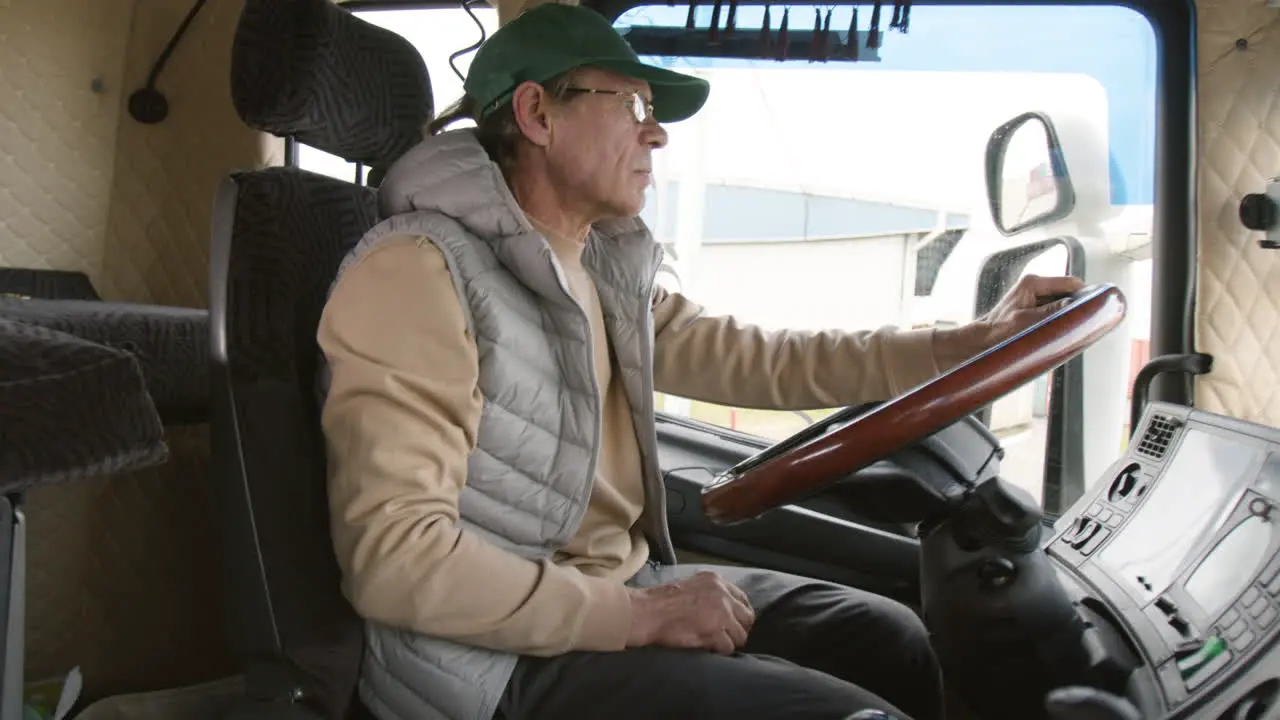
{"x":1155,"y":441}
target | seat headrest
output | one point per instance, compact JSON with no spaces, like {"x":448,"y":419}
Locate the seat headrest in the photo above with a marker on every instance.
{"x":313,"y":70}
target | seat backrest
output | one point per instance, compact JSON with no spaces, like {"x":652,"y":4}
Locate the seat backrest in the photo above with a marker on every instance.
{"x":310,"y":70}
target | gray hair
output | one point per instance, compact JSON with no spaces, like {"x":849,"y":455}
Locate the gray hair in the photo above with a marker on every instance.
{"x":498,"y":132}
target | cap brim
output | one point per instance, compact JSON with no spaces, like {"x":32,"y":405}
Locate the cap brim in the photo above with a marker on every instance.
{"x":676,"y":96}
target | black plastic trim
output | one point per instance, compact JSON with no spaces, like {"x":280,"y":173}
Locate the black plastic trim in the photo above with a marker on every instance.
{"x":8,"y":561}
{"x":1191,"y":364}
{"x":248,"y":601}
{"x":1173,"y":235}
{"x":755,"y":442}
{"x":812,"y":538}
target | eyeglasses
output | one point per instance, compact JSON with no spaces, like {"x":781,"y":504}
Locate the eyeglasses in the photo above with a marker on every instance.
{"x":641,"y":108}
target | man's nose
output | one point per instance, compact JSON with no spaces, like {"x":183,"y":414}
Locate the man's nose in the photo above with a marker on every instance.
{"x":655,"y":135}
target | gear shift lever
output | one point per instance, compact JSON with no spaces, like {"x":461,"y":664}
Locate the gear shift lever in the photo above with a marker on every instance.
{"x":1086,"y":703}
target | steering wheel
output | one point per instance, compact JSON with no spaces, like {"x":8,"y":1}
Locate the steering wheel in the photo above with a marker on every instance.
{"x":851,"y":439}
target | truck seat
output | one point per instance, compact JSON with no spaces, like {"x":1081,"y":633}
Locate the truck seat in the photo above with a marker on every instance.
{"x":311,"y":71}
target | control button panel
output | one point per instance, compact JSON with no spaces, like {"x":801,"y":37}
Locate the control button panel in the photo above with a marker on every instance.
{"x":1105,"y":514}
{"x":1236,"y":630}
{"x":1129,"y":486}
{"x":1255,"y":612}
{"x":1093,"y":528}
{"x":1239,"y":631}
{"x":1267,"y":617}
{"x":1126,"y":489}
{"x":1199,"y":662}
{"x":1104,"y":517}
{"x":1173,"y":618}
{"x":1269,"y":578}
{"x":1086,"y":534}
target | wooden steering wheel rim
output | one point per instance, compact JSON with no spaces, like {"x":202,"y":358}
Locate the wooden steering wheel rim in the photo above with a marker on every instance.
{"x":925,"y":409}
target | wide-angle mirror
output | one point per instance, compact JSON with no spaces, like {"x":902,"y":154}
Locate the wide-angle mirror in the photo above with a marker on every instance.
{"x":1027,"y":180}
{"x":1040,"y":422}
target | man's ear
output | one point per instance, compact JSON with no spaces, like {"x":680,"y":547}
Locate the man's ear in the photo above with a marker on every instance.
{"x":531,"y":106}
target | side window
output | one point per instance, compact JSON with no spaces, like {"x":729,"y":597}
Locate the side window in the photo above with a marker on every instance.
{"x":437,"y":33}
{"x":852,"y":195}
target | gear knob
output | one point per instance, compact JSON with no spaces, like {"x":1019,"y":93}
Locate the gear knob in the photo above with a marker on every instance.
{"x":1086,"y":703}
{"x":871,"y":715}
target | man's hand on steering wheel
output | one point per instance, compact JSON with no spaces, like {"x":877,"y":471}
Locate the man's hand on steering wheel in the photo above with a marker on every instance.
{"x":1030,"y":301}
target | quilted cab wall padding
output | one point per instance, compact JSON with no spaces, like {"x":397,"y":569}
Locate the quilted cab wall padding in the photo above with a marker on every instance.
{"x":123,"y":569}
{"x":1238,"y":298}
{"x":60,"y":94}
{"x":166,"y":175}
{"x":83,"y":186}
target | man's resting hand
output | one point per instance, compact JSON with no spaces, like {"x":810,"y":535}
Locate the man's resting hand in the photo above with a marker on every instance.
{"x":702,"y":611}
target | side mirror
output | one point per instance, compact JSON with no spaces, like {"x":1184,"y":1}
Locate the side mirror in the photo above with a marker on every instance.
{"x":1027,"y":180}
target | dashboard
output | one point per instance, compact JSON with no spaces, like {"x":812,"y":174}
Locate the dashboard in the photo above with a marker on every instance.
{"x":1176,"y":554}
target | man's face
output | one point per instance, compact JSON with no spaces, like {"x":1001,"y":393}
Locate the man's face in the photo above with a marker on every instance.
{"x":598,"y":154}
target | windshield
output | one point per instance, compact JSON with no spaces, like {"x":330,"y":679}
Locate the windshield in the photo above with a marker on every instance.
{"x":852,"y":195}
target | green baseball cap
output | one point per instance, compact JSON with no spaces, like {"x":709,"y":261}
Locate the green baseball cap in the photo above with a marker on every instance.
{"x":550,"y":39}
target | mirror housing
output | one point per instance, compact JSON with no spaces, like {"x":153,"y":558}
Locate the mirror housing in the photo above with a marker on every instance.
{"x":1064,"y":456}
{"x":1027,"y":180}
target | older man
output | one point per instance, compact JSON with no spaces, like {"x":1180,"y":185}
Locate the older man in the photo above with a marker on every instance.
{"x":494,"y":347}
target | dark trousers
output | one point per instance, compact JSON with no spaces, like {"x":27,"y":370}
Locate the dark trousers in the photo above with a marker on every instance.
{"x":816,"y":651}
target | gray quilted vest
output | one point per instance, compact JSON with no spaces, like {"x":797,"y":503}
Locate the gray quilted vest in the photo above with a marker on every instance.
{"x":531,"y":475}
